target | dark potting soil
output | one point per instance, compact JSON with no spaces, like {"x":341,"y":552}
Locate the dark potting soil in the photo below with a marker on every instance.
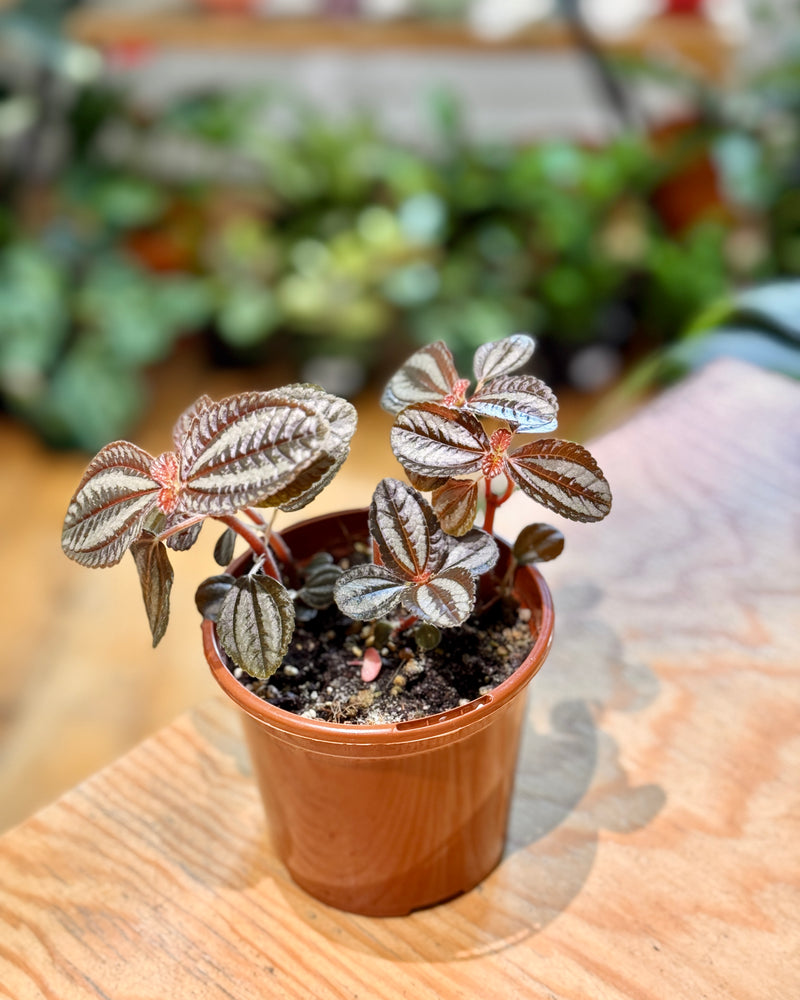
{"x":321,"y":673}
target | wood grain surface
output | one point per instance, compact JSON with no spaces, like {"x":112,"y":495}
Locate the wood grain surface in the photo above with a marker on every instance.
{"x":653,"y":850}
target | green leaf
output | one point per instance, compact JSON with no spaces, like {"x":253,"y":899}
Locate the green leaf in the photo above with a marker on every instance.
{"x":155,"y":576}
{"x":255,"y":624}
{"x":427,"y":636}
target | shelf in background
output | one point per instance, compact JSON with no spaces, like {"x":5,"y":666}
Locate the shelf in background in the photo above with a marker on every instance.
{"x":691,"y":40}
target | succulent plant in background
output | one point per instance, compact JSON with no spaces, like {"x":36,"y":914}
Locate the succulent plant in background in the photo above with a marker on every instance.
{"x":235,"y":458}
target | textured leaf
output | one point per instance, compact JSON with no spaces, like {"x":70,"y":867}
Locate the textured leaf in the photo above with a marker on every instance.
{"x":317,"y":590}
{"x":426,"y":483}
{"x":184,"y":422}
{"x":341,"y":418}
{"x":246,"y":448}
{"x":155,"y":576}
{"x":183,"y":540}
{"x":428,"y":376}
{"x":538,"y":543}
{"x":255,"y":624}
{"x":502,"y":356}
{"x":211,"y":593}
{"x":157,"y":522}
{"x":477,"y":552}
{"x":405,"y":528}
{"x":110,"y":506}
{"x":456,"y":505}
{"x":447,"y":599}
{"x":223,"y":550}
{"x":434,"y":441}
{"x":368,"y":592}
{"x":519,"y":399}
{"x":563,"y":477}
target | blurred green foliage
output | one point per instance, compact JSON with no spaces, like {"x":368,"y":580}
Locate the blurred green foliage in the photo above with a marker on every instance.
{"x":344,"y":241}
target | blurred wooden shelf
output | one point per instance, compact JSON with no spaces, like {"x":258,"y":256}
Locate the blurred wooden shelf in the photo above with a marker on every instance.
{"x":690,"y":40}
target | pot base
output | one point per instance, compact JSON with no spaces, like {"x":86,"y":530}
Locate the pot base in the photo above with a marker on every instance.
{"x":385,"y":819}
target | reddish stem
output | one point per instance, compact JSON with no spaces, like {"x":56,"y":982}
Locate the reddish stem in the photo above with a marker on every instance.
{"x":255,"y":542}
{"x":255,"y":516}
{"x":281,"y":548}
{"x":493,"y":502}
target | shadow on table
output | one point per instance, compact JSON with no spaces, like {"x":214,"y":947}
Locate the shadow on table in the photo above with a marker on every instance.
{"x":570,"y":786}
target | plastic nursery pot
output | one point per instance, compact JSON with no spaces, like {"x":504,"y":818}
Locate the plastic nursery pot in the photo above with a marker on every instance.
{"x":384,"y":819}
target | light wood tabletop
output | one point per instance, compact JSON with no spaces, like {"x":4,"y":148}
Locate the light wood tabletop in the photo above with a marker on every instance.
{"x":653,"y":847}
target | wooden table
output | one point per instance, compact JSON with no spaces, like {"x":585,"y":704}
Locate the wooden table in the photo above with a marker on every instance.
{"x":653,"y":849}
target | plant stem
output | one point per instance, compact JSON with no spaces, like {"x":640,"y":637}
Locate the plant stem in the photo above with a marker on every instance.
{"x":281,"y":548}
{"x":255,"y":542}
{"x":493,"y":502}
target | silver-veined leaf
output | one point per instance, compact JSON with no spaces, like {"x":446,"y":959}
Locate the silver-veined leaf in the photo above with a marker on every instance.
{"x":562,"y":476}
{"x":184,"y":422}
{"x":368,"y":592}
{"x":518,"y":399}
{"x":404,"y":526}
{"x":428,"y":376}
{"x":341,"y":418}
{"x":246,"y":448}
{"x":255,"y":624}
{"x":447,"y":599}
{"x":112,"y":502}
{"x":317,"y":589}
{"x":155,"y":576}
{"x":439,"y":441}
{"x":502,"y":356}
{"x":158,"y":522}
{"x":182,"y":540}
{"x":476,"y":551}
{"x":538,"y":543}
{"x":456,"y":505}
{"x":211,"y":593}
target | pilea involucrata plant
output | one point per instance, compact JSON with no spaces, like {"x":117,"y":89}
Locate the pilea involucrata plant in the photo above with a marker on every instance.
{"x":235,"y":458}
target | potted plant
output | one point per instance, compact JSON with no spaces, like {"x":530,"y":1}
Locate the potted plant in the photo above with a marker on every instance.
{"x":380,"y":657}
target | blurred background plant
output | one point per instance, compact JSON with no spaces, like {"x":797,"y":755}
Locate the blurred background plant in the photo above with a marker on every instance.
{"x":248,"y":223}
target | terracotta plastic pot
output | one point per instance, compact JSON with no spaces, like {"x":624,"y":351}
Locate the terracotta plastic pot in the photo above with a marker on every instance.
{"x":384,"y":819}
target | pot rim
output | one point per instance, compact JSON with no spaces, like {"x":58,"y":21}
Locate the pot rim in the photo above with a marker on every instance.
{"x":453,"y":723}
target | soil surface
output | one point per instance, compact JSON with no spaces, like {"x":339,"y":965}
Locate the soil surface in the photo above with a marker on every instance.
{"x":321,"y":674}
